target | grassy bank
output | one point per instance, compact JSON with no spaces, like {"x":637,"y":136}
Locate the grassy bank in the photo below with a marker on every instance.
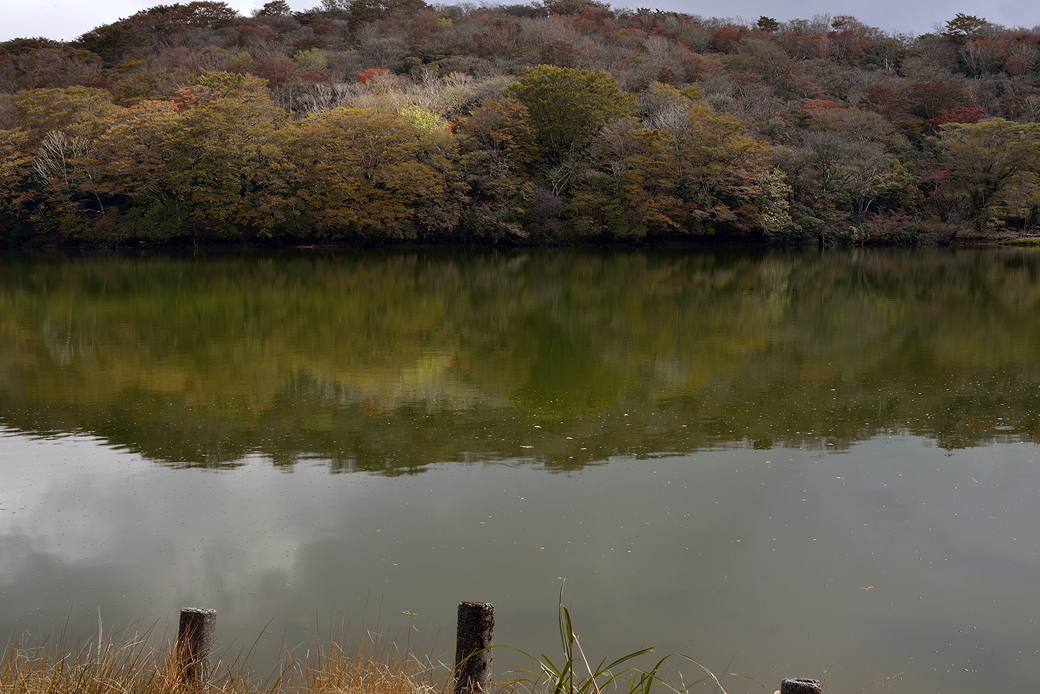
{"x":129,"y":662}
{"x":133,"y":663}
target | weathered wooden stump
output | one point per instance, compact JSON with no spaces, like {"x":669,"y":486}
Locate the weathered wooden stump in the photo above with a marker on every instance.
{"x":473,"y":641}
{"x":195,"y":638}
{"x":800,"y":685}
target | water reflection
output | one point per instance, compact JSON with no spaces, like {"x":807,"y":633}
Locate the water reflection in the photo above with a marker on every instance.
{"x":771,"y":461}
{"x":390,"y":361}
{"x":888,"y":557}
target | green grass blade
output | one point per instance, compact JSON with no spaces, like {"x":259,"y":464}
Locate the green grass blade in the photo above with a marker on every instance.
{"x":630,"y":656}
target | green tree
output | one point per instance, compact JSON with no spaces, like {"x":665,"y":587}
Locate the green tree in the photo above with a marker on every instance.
{"x":963,"y":26}
{"x":114,"y":42}
{"x":274,"y":8}
{"x":982,"y":162}
{"x":767,"y":24}
{"x":568,"y":107}
{"x":312,"y":59}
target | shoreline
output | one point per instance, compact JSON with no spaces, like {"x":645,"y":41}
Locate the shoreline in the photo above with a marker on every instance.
{"x":960,"y":240}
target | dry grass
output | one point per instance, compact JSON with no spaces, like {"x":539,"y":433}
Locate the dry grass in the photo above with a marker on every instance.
{"x":131,"y":663}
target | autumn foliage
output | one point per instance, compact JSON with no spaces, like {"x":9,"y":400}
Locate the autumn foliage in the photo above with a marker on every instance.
{"x":374,"y":120}
{"x":366,"y":76}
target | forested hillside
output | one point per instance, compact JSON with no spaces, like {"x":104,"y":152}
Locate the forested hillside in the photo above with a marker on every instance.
{"x":566,"y":121}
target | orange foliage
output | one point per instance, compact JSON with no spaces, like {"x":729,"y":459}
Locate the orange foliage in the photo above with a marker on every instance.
{"x":960,"y":114}
{"x":366,"y":76}
{"x":189,"y":97}
{"x":815,"y":106}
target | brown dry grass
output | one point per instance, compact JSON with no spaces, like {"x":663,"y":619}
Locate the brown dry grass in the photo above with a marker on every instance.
{"x":128,"y":663}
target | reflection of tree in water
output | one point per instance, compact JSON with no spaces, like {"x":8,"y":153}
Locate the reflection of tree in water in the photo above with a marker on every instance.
{"x":390,"y":361}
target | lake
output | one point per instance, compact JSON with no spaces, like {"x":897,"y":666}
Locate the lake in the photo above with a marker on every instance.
{"x":780,"y":463}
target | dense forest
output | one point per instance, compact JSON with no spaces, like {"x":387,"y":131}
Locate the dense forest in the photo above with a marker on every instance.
{"x":561,"y":121}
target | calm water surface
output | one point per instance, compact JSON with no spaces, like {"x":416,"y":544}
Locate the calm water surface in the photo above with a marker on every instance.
{"x":781,"y":464}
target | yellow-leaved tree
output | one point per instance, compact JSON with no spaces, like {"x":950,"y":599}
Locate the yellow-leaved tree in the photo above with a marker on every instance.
{"x":696,"y":169}
{"x":208,"y":163}
{"x":360,"y":173}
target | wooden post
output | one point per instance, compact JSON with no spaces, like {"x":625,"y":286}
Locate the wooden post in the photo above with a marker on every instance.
{"x":195,"y":644}
{"x":800,"y":685}
{"x":473,"y":641}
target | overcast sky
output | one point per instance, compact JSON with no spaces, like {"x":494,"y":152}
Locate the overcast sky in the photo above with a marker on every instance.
{"x":68,"y":19}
